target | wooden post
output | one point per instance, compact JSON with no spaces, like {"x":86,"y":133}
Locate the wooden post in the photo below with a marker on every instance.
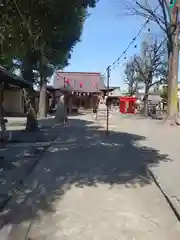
{"x":107,"y":105}
{"x":97,"y":101}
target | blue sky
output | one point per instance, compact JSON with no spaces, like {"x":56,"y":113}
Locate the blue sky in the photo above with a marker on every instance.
{"x":105,"y":36}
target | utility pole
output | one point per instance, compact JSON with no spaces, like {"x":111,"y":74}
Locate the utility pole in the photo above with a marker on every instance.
{"x":174,"y":62}
{"x":97,"y":99}
{"x":107,"y":104}
{"x":65,"y":100}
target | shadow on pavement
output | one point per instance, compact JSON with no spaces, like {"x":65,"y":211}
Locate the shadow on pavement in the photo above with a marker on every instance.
{"x":82,"y":156}
{"x":43,"y":134}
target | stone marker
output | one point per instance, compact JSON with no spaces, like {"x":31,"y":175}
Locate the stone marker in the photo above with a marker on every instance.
{"x":61,"y":113}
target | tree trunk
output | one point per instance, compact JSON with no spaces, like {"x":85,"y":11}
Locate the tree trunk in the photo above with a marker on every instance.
{"x":2,"y":120}
{"x":170,"y":110}
{"x":43,"y":100}
{"x":146,"y":105}
{"x":31,"y":124}
{"x":43,"y":90}
{"x":173,"y":74}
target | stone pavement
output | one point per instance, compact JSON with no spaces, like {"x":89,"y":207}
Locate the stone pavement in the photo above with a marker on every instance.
{"x":166,"y":140}
{"x":17,"y":162}
{"x":90,"y":187}
{"x":19,"y":158}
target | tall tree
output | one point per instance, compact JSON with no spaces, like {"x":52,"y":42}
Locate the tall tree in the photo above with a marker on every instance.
{"x":151,"y":66}
{"x":42,"y":33}
{"x":132,"y":78}
{"x":159,"y":12}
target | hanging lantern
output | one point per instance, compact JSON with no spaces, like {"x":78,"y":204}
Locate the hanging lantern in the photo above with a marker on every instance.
{"x":81,"y":85}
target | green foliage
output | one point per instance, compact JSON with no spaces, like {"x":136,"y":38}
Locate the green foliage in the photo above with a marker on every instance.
{"x":41,"y":32}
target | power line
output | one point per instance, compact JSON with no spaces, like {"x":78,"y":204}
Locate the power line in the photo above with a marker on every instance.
{"x":129,"y":45}
{"x":117,"y":61}
{"x":133,"y":40}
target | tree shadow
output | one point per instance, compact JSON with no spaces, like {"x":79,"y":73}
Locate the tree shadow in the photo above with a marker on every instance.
{"x":82,"y":156}
{"x":44,"y":132}
{"x":20,"y":155}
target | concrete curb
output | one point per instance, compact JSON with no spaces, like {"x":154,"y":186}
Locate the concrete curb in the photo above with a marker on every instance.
{"x":175,"y":207}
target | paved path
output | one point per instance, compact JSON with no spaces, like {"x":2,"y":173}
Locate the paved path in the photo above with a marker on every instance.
{"x":90,"y":187}
{"x":19,"y":157}
{"x":165,"y":139}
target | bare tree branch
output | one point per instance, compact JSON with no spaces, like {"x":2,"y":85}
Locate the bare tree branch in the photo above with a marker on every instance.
{"x":151,"y":65}
{"x":131,"y":77}
{"x":159,"y":14}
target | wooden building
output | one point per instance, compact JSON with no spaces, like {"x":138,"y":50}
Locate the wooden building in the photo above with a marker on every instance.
{"x":82,"y":89}
{"x":11,"y":93}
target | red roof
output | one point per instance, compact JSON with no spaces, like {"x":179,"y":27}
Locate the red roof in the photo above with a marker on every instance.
{"x":79,"y":81}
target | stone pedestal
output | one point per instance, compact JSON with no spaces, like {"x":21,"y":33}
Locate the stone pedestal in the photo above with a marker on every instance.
{"x":61,"y":111}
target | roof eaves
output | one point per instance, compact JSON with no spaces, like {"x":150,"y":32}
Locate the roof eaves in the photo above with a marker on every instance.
{"x":13,"y":79}
{"x":82,"y":73}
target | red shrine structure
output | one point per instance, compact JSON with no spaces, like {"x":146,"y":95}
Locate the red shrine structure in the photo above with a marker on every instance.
{"x":127,"y":104}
